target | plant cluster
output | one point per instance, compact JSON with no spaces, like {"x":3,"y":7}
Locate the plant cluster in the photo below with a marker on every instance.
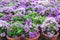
{"x":24,"y":17}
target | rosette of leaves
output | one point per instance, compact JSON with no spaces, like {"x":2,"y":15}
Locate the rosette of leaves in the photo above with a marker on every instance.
{"x":24,"y":17}
{"x":38,"y":19}
{"x":15,"y":30}
{"x":32,"y":14}
{"x":35,"y":18}
{"x":19,"y":18}
{"x":15,"y":18}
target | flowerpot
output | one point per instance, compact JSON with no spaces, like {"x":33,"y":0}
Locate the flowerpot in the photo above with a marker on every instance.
{"x":35,"y":38}
{"x":52,"y":38}
{"x":9,"y":38}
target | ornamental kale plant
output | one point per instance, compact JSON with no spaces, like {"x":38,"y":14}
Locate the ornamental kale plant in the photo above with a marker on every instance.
{"x":15,"y":29}
{"x":3,"y":27}
{"x":50,"y":26}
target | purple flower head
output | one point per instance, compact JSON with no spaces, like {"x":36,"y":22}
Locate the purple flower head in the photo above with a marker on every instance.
{"x":23,"y":35}
{"x":19,"y":15}
{"x":14,"y":7}
{"x":26,"y":28}
{"x":28,"y":21}
{"x":10,"y":9}
{"x":30,"y":26}
{"x":58,"y":6}
{"x":42,"y":12}
{"x":50,"y":34}
{"x":39,"y":8}
{"x":38,"y":25}
{"x":7,"y":17}
{"x":1,"y":10}
{"x":3,"y":34}
{"x":36,"y":30}
{"x":58,"y":18}
{"x":20,"y":25}
{"x":20,"y":9}
{"x":52,"y":3}
{"x":3,"y":23}
{"x":56,"y":28}
{"x":36,"y":33}
{"x":31,"y":35}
